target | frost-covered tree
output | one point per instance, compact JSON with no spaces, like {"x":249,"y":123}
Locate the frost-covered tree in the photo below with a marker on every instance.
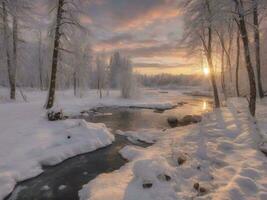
{"x":13,"y":11}
{"x":66,"y":18}
{"x":128,"y":82}
{"x":257,"y":41}
{"x":101,"y":67}
{"x":80,"y":59}
{"x":199,"y":30}
{"x":6,"y":44}
{"x":245,"y":38}
{"x":115,"y":69}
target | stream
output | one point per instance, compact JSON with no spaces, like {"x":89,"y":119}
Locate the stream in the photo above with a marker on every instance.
{"x":63,"y":181}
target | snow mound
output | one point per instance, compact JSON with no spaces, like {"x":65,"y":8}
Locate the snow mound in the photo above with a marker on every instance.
{"x":47,"y":143}
{"x":145,"y":135}
{"x":131,"y":152}
{"x":151,"y":169}
{"x":82,"y":137}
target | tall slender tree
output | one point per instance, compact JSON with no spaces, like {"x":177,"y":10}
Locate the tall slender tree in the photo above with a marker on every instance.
{"x":199,"y":31}
{"x":15,"y":49}
{"x":237,"y":63}
{"x":10,"y":69}
{"x":244,"y":33}
{"x":257,"y":46}
{"x":58,"y":34}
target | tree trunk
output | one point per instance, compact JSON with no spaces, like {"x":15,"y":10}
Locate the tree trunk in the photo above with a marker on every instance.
{"x":75,"y":84}
{"x":251,"y":76}
{"x":230,"y":31}
{"x":12,"y":84}
{"x":257,"y":47}
{"x":212,"y":71}
{"x":14,"y":71}
{"x":52,"y":86}
{"x":237,"y":63}
{"x":222,"y":74}
{"x":40,"y":61}
{"x":209,"y":59}
{"x":229,"y":64}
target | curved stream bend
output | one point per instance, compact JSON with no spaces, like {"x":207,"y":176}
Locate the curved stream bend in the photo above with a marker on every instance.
{"x":64,"y":180}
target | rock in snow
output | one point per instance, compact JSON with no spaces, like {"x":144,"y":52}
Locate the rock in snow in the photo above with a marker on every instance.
{"x":173,"y":121}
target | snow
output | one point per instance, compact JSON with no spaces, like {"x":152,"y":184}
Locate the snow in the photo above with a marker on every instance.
{"x":200,"y":93}
{"x":45,"y":143}
{"x":144,"y":135}
{"x":45,"y":188}
{"x":28,"y":140}
{"x":62,"y":187}
{"x":222,"y":160}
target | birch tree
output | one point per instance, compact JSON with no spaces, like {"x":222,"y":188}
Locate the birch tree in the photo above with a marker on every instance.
{"x":58,"y":34}
{"x":244,"y":35}
{"x":257,"y":45}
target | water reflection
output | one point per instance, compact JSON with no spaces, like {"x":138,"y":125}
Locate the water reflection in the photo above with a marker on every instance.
{"x":204,"y":106}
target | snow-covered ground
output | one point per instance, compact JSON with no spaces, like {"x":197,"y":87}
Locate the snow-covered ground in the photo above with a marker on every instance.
{"x":216,"y":159}
{"x":28,"y":140}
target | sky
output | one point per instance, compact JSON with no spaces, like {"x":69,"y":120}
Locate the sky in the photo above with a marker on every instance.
{"x":148,"y":31}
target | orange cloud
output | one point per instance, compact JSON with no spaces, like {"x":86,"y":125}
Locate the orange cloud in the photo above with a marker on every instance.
{"x":141,"y":21}
{"x":85,"y":19}
{"x":119,"y":45}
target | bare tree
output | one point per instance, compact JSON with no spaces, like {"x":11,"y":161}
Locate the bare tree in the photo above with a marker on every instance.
{"x":237,"y":63}
{"x":244,"y":33}
{"x":58,"y":34}
{"x":40,"y":60}
{"x":15,"y":49}
{"x":67,"y":17}
{"x":199,"y":19}
{"x":257,"y":46}
{"x":10,"y":70}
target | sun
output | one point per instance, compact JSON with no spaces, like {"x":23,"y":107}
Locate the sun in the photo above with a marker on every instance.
{"x":206,"y":71}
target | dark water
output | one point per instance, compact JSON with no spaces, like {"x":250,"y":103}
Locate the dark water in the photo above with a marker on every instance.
{"x":63,"y":181}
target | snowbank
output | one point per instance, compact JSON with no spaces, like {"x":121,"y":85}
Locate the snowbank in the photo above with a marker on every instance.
{"x":28,"y":140}
{"x":199,"y":93}
{"x":23,"y":153}
{"x":216,"y":159}
{"x":145,"y":135}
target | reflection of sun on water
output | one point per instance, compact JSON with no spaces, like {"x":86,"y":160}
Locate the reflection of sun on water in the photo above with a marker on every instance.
{"x":204,"y":105}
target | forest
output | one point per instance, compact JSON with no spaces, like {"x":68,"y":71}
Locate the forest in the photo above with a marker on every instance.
{"x":133,"y":99}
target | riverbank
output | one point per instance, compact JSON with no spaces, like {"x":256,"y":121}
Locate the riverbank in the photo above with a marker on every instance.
{"x":216,"y":159}
{"x":28,"y":140}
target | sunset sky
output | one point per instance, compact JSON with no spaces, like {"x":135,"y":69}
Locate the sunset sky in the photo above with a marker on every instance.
{"x":149,"y":31}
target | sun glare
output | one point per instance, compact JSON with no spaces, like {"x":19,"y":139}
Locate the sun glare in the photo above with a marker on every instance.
{"x":206,"y":71}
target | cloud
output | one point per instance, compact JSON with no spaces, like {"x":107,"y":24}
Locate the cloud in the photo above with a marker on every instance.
{"x":161,"y":65}
{"x":125,"y":43}
{"x":85,"y":19}
{"x":146,"y":30}
{"x":124,"y":15}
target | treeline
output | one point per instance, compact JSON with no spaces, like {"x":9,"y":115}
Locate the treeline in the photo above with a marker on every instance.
{"x":172,"y":80}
